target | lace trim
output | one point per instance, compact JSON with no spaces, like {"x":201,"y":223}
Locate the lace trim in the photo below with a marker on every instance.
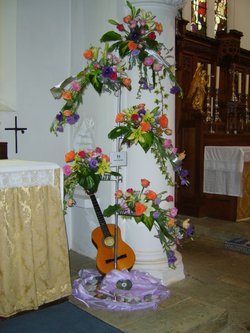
{"x":26,"y":178}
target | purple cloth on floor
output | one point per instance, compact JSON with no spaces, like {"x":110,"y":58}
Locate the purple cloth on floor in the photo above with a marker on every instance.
{"x":119,"y":290}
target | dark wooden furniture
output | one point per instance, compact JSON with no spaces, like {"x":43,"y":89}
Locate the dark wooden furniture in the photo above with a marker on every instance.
{"x":193,"y":133}
{"x":3,"y":150}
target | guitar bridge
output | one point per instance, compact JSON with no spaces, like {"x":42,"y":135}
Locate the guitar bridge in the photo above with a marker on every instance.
{"x":113,"y":259}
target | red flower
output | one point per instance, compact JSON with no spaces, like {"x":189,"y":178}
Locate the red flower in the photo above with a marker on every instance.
{"x":82,"y":153}
{"x":164,"y":121}
{"x":152,"y":35}
{"x":134,"y":117}
{"x":113,"y":76}
{"x":120,"y":27}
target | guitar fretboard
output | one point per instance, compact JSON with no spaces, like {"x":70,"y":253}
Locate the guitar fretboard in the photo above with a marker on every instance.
{"x":100,"y":216}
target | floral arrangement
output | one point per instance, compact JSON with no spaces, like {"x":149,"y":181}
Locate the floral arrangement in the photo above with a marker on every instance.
{"x":106,"y":74}
{"x":149,"y":129}
{"x":136,"y":40}
{"x":146,"y":206}
{"x":85,"y":168}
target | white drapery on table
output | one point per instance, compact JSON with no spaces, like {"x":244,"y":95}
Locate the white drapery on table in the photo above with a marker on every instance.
{"x":34,"y":263}
{"x":223,"y":169}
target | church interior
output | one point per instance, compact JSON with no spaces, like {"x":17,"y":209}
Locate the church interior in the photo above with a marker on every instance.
{"x":43,"y":42}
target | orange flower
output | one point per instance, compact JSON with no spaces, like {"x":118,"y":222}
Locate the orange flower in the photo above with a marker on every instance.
{"x":67,"y":95}
{"x":67,"y":113}
{"x":118,"y":194}
{"x":139,"y":208}
{"x":171,"y":223}
{"x":145,"y":182}
{"x":88,"y":54}
{"x":164,"y":121}
{"x":151,"y":195}
{"x":132,"y":45}
{"x":127,"y":18}
{"x":145,"y":126}
{"x":119,"y":117}
{"x":105,"y":157}
{"x":70,"y":156}
{"x":126,"y":81}
{"x":158,"y":27}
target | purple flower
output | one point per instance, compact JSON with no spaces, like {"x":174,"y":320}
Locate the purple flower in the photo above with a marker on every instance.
{"x":184,"y":173}
{"x":76,"y":116}
{"x":59,"y":128}
{"x":157,"y":201}
{"x":107,"y":71}
{"x":71,"y":120}
{"x":189,"y":230}
{"x":171,"y":257}
{"x":175,"y":90}
{"x":93,"y":163}
{"x":59,"y":116}
{"x":135,"y":52}
{"x":141,"y":112}
{"x":156,"y":214}
{"x":134,"y":35}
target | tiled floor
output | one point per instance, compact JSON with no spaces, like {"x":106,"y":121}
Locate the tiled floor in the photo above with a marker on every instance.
{"x":213,"y":298}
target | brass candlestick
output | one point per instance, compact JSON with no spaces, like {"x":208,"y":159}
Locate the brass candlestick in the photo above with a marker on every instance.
{"x":216,"y":106}
{"x":246,"y":110}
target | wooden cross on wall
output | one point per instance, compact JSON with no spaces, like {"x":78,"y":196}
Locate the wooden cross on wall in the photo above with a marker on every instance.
{"x":16,"y":129}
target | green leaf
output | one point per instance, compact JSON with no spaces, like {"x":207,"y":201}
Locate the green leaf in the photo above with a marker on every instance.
{"x":152,"y":44}
{"x":123,"y":49}
{"x":148,"y":221}
{"x":111,"y":210}
{"x":117,"y":132}
{"x":148,"y":141}
{"x":111,"y":21}
{"x":110,"y":36}
{"x":114,"y":46}
{"x":96,"y":83}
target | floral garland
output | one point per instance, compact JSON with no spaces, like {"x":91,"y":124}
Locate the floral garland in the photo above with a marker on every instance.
{"x":146,"y":206}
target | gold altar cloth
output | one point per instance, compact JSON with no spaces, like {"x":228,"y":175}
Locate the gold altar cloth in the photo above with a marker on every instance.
{"x":34,"y":262}
{"x":243,"y":203}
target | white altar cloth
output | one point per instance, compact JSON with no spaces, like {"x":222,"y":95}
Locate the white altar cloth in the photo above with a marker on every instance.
{"x":223,"y":168}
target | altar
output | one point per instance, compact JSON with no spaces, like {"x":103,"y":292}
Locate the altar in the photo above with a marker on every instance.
{"x":227,"y":172}
{"x":34,"y":262}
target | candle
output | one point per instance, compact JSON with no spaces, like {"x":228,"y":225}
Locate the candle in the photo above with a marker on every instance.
{"x":247,"y":84}
{"x":209,"y":75}
{"x":239,"y":83}
{"x":217,"y":82}
{"x":212,"y":107}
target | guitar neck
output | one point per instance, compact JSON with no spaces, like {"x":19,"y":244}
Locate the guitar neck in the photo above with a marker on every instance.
{"x":100,"y":216}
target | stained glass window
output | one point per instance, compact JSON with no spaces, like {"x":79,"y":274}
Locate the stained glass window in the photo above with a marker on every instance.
{"x":220,"y":15}
{"x":199,"y":16}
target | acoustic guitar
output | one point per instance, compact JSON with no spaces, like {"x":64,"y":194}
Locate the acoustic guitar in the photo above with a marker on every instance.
{"x":107,"y":245}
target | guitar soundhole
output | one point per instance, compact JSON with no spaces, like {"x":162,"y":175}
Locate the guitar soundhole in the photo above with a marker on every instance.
{"x":109,"y":241}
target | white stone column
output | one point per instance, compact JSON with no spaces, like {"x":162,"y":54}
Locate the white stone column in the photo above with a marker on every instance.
{"x":149,"y":253}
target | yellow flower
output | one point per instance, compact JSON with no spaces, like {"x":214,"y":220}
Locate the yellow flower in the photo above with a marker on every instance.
{"x":136,"y":135}
{"x":103,"y":167}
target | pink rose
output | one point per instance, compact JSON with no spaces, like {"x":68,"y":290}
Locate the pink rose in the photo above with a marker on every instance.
{"x":76,"y":86}
{"x":148,"y":61}
{"x":67,"y":170}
